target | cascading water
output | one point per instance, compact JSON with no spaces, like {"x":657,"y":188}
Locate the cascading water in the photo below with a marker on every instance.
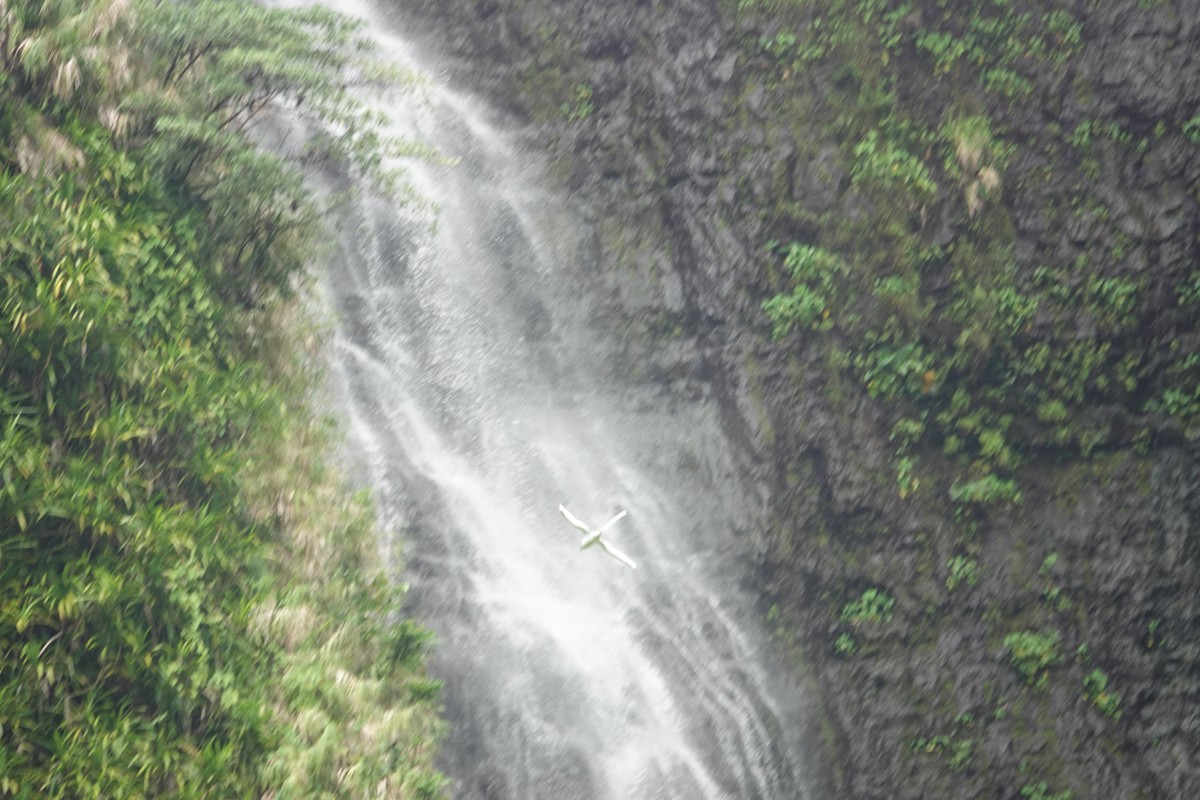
{"x":480,"y":394}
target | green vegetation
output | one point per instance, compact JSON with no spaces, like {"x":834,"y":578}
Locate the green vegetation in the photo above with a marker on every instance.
{"x":1153,"y":639}
{"x":814,"y":272}
{"x":962,"y":270}
{"x":1033,"y":653}
{"x":883,"y":164}
{"x":189,"y":607}
{"x":1040,"y":791}
{"x":988,"y":490}
{"x":944,"y":332}
{"x":580,"y":107}
{"x":1191,"y":129}
{"x":963,"y":572}
{"x":957,"y":752}
{"x":1095,"y":688}
{"x":875,"y":605}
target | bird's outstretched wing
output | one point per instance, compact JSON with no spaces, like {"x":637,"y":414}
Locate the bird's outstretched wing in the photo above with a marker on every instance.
{"x":612,"y":522}
{"x":571,"y":518}
{"x":617,"y":554}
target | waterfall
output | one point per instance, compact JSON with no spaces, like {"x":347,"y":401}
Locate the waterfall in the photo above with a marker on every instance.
{"x":481,"y":389}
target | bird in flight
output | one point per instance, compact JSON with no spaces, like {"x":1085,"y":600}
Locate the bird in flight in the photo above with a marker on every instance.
{"x":592,"y":537}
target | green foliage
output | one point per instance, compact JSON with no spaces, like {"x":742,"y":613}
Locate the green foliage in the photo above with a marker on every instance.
{"x":338,"y":706}
{"x":963,"y":571}
{"x":1040,"y":791}
{"x":996,"y":42}
{"x":957,"y":752}
{"x":1089,"y":130}
{"x":580,"y":107}
{"x":960,"y":755}
{"x":1051,"y":411}
{"x":893,"y":371}
{"x":906,"y":431}
{"x":813,"y":272}
{"x":987,"y":491}
{"x":1033,"y":653}
{"x":216,"y":68}
{"x":129,"y":589}
{"x":1095,"y":688}
{"x":844,"y":645}
{"x":780,"y":45}
{"x":874,"y":606}
{"x":1066,"y":30}
{"x":972,"y":144}
{"x":1055,"y":598}
{"x":1007,"y":83}
{"x":1153,"y":639}
{"x":946,"y":48}
{"x":978,"y":361}
{"x":150,"y":626}
{"x":882,"y":163}
{"x":1191,"y":129}
{"x":1188,"y":292}
{"x":968,"y":314}
{"x":906,"y":480}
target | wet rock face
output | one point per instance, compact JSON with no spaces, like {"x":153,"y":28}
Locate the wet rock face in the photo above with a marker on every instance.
{"x":655,"y":119}
{"x":1139,"y":60}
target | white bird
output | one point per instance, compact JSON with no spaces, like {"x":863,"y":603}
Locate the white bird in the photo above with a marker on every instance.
{"x":592,"y":537}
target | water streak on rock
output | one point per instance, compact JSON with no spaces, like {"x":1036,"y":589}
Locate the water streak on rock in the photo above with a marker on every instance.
{"x":482,"y":390}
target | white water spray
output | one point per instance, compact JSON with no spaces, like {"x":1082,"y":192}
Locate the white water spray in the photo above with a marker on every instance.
{"x":479,"y":397}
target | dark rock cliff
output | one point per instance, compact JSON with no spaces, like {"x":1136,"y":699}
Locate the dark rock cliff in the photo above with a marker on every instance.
{"x":987,"y":557}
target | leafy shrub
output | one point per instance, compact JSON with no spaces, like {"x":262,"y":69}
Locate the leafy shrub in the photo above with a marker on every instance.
{"x":1065,"y":28}
{"x":780,"y":45}
{"x":963,"y":572}
{"x":988,"y":490}
{"x":960,"y":755}
{"x":875,"y":605}
{"x":895,"y":370}
{"x":1153,"y":639}
{"x":1040,"y":791}
{"x":906,"y":481}
{"x":169,"y":627}
{"x":1007,"y":83}
{"x":946,"y":48}
{"x":813,"y":270}
{"x":1191,"y":129}
{"x":957,"y":751}
{"x":580,"y":107}
{"x":1052,"y":411}
{"x":1095,"y":687}
{"x":1033,"y":653}
{"x":881,"y":162}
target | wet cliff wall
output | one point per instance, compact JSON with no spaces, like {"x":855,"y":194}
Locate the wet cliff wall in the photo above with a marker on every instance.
{"x":940,"y":268}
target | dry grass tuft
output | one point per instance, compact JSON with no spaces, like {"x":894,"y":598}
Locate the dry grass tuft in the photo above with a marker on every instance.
{"x":107,"y":17}
{"x":968,"y":153}
{"x":47,"y":151}
{"x":989,"y":178}
{"x":67,"y":77}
